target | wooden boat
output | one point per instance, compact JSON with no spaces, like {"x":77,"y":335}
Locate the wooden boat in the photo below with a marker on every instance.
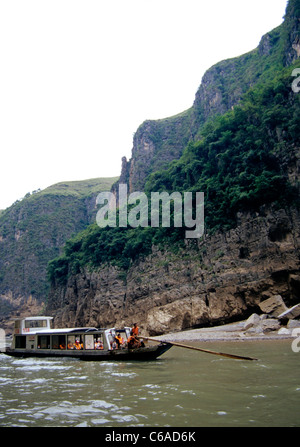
{"x":33,"y":337}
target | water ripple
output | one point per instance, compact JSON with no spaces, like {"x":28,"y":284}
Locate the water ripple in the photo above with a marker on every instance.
{"x":180,"y":390}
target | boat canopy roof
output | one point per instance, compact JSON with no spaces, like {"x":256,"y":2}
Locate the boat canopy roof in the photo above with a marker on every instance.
{"x":41,"y":325}
{"x":66,"y":330}
{"x":33,"y":318}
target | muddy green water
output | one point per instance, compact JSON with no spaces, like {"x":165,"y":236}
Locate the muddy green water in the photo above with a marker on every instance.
{"x":181,"y":389}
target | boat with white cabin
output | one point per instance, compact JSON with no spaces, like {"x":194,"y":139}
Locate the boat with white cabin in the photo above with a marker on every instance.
{"x":33,"y":337}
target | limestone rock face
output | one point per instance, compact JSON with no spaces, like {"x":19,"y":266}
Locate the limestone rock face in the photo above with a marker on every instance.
{"x":216,"y":280}
{"x":157,"y":142}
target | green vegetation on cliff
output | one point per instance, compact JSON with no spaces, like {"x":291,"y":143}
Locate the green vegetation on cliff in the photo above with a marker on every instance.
{"x":34,"y":230}
{"x":239,"y":144}
{"x":158,"y":142}
{"x":241,"y":161}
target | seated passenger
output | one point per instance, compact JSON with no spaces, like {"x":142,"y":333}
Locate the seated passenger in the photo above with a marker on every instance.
{"x":119,"y":341}
{"x":133,"y":342}
{"x":98,"y":344}
{"x":78,"y":345}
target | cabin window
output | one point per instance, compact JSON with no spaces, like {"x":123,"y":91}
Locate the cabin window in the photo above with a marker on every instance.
{"x":35,"y":323}
{"x":20,"y":341}
{"x":43,"y":342}
{"x":93,"y":342}
{"x":58,"y":342}
{"x":75,"y":342}
{"x":89,"y":342}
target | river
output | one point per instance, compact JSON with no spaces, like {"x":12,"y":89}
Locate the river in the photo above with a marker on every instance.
{"x":183,"y":388}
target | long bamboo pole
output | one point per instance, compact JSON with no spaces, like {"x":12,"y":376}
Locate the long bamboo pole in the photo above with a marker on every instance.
{"x":180,"y":345}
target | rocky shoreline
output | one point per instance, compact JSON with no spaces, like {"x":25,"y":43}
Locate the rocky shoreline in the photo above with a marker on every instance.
{"x":277,"y":323}
{"x":229,"y":332}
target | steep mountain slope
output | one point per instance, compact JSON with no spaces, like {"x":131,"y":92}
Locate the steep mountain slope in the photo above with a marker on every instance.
{"x":34,"y":230}
{"x":221,"y":279}
{"x":240,"y":145}
{"x":156,"y":143}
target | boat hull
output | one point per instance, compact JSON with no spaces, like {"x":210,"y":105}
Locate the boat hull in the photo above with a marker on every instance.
{"x":141,"y":354}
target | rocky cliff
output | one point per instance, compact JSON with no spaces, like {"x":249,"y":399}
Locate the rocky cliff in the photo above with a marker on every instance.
{"x":245,"y":161}
{"x":33,"y":231}
{"x":253,"y":152}
{"x":222,"y":278}
{"x":156,"y":143}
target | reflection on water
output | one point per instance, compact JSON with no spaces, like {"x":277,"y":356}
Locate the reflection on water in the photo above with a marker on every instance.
{"x":181,"y":389}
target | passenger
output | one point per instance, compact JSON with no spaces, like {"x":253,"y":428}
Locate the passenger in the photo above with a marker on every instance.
{"x":133,"y":342}
{"x":116,"y":341}
{"x":62,"y":346}
{"x":70,"y":345}
{"x":119,"y":341}
{"x":135,"y":329}
{"x":113,"y":344}
{"x":77,"y":345}
{"x":98,"y":344}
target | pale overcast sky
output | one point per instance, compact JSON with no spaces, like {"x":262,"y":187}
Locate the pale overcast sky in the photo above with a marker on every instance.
{"x":78,"y":77}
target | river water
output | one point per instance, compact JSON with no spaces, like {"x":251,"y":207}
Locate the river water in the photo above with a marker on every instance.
{"x":182,"y":388}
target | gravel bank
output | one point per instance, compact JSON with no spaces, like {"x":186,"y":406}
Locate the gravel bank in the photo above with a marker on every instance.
{"x":229,"y":332}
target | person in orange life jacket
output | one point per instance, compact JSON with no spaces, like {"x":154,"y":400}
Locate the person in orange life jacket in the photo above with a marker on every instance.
{"x":78,"y":345}
{"x":119,"y":340}
{"x":135,"y":329}
{"x":98,"y":344}
{"x":133,"y":342}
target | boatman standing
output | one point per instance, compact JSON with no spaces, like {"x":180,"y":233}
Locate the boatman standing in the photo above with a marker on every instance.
{"x":135,"y":330}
